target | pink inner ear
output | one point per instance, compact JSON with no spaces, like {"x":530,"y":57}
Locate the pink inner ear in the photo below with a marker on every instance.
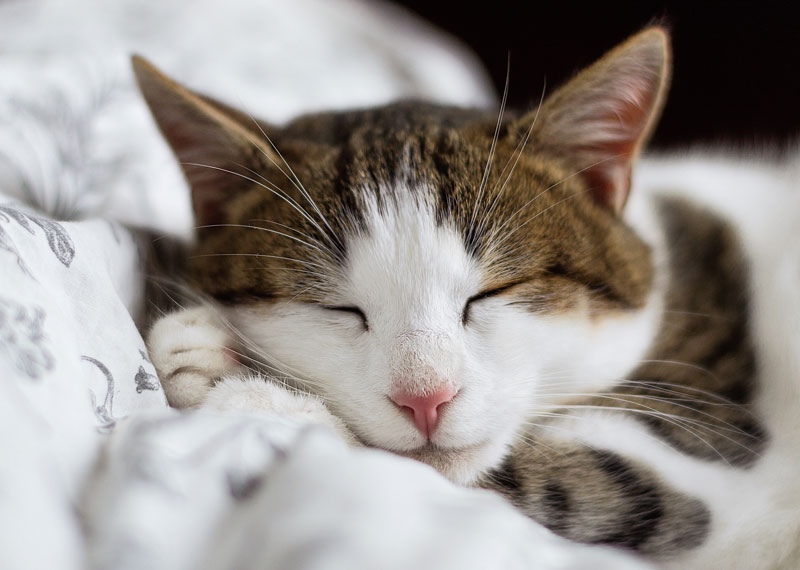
{"x":202,"y":151}
{"x":214,"y":143}
{"x":609,"y":185}
{"x":208,"y":192}
{"x":620,"y":123}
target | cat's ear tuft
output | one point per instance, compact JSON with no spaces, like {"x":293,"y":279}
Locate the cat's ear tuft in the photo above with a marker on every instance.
{"x":216,"y":148}
{"x":600,"y":120}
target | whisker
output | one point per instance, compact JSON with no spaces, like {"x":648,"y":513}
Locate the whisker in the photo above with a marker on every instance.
{"x":687,"y":365}
{"x":487,"y":170}
{"x":656,"y":385}
{"x":296,"y":182}
{"x":719,"y":423}
{"x":536,"y":444}
{"x":289,"y":199}
{"x":570,"y":434}
{"x":519,"y":151}
{"x":660,"y":383}
{"x":245,"y":226}
{"x":572,"y":437}
{"x":277,"y":366}
{"x":263,"y":361}
{"x":696,"y":314}
{"x":521,"y":209}
{"x":259,"y":255}
{"x":277,"y":192}
{"x":291,"y":229}
{"x":677,"y":421}
{"x":507,"y":236}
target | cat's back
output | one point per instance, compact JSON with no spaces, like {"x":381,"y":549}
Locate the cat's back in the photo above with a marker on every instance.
{"x":757,"y":199}
{"x":712,"y":215}
{"x":758,"y":193}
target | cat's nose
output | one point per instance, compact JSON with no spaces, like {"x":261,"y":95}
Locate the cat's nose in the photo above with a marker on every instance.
{"x":425,"y":409}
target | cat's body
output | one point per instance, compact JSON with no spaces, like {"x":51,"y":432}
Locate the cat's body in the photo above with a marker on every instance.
{"x":467,"y":294}
{"x":726,"y":232}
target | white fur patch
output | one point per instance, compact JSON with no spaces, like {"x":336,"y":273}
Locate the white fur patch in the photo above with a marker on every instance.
{"x":412,"y":277}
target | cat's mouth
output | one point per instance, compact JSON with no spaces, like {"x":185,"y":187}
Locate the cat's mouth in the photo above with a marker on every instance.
{"x":430,"y":447}
{"x":461,"y":465}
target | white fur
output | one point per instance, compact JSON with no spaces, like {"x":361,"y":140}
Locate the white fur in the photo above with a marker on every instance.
{"x":412,"y":278}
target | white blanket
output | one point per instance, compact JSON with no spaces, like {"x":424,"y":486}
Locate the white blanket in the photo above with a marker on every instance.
{"x":95,"y":470}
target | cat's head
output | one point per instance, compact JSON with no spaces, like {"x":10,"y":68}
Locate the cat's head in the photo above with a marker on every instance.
{"x":436,"y":275}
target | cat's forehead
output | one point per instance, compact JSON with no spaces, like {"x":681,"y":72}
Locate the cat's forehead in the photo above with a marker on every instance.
{"x":394,"y":120}
{"x":407,"y":256}
{"x":406,"y":146}
{"x":381,"y":160}
{"x":407,"y":192}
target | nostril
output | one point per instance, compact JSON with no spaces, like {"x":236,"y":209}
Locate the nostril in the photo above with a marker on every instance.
{"x":423,"y":409}
{"x":407,"y":410}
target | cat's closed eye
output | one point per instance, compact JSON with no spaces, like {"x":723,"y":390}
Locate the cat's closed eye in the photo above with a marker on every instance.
{"x":481,"y":296}
{"x":352,"y":310}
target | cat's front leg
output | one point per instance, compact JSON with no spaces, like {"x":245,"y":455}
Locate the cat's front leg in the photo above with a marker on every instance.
{"x":191,"y":349}
{"x":256,"y":393}
{"x":597,"y":496}
{"x":195,"y":356}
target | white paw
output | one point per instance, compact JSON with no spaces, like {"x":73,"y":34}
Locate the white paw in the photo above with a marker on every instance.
{"x":191,"y":350}
{"x":255,"y":393}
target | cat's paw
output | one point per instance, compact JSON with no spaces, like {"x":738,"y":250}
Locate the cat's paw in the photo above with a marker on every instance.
{"x":255,"y":393}
{"x":191,"y":349}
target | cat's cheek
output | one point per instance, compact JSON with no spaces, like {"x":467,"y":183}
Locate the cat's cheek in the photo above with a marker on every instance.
{"x":590,"y":352}
{"x":297,"y":339}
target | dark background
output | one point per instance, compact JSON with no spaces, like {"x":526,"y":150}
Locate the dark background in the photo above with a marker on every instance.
{"x":737,"y":64}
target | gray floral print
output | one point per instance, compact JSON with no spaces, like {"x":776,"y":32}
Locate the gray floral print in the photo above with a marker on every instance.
{"x":22,"y":339}
{"x":58,"y":239}
{"x":103,"y":411}
{"x":145,"y":380}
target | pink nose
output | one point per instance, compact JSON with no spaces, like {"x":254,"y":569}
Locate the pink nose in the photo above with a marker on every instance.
{"x":424,"y":408}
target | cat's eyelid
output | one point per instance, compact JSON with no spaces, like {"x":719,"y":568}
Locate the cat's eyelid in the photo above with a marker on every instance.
{"x":485,"y":294}
{"x":348,"y":309}
{"x":344,"y":308}
{"x":494,"y":291}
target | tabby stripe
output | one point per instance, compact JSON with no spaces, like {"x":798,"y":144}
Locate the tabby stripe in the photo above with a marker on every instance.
{"x":645,"y":512}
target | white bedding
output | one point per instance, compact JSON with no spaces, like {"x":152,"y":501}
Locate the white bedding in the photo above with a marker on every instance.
{"x":95,"y":470}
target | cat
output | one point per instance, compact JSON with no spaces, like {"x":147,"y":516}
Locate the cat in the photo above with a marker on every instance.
{"x":473,"y":292}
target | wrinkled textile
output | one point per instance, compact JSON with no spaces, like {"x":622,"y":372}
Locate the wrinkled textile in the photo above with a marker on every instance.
{"x":95,"y":470}
{"x":210,"y":491}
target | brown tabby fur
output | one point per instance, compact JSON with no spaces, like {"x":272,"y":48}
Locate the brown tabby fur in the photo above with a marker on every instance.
{"x":576,"y":249}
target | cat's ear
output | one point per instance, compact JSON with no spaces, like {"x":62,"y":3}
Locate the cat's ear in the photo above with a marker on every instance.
{"x":600,"y":120}
{"x":216,"y":145}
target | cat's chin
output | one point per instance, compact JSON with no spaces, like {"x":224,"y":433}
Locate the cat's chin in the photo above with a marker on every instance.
{"x":462,"y":465}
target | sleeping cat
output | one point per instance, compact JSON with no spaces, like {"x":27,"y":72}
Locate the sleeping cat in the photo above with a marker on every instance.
{"x":473,"y":292}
